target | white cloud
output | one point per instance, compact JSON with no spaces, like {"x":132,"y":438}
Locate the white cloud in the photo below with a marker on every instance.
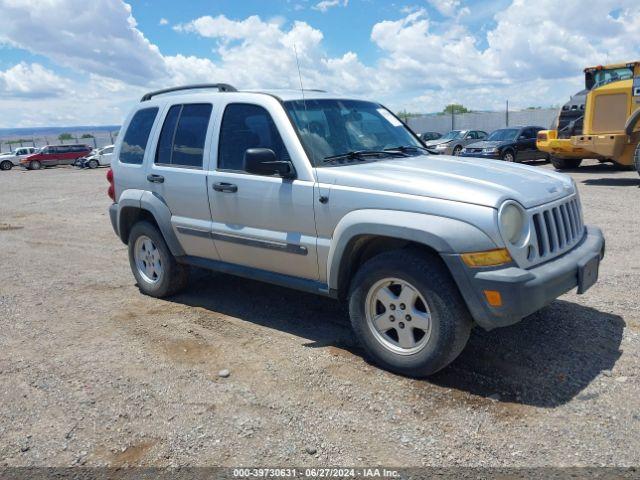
{"x":163,"y":21}
{"x":254,"y":53}
{"x":325,"y":5}
{"x":448,"y":8}
{"x":533,"y":54}
{"x":31,"y":81}
{"x":98,"y":37}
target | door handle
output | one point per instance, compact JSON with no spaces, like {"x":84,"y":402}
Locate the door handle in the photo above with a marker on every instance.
{"x":155,"y":178}
{"x":225,"y":187}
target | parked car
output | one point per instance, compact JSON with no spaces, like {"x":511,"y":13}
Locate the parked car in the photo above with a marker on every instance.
{"x":514,"y":144}
{"x":101,"y":157}
{"x":453,"y":142}
{"x":10,"y":159}
{"x":54,"y":155}
{"x":428,"y":136}
{"x":337,"y":197}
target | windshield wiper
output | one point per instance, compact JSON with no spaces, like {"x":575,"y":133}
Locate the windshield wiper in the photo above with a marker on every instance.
{"x":410,"y":148}
{"x":360,"y":154}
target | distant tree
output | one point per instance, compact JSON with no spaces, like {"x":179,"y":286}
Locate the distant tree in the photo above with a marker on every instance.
{"x":455,"y":108}
{"x":19,"y":140}
{"x":86,"y":135}
{"x":65,"y":136}
{"x":534,"y":108}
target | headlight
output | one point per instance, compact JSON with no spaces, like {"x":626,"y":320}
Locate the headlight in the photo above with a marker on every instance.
{"x":512,"y":219}
{"x":441,"y":146}
{"x":490,"y":150}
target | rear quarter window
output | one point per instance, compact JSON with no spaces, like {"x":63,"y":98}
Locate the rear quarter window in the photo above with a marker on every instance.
{"x":136,"y":137}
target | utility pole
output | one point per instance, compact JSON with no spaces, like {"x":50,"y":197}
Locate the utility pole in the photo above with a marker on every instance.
{"x":507,"y":114}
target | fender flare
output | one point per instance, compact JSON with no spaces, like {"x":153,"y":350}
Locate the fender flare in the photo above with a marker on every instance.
{"x":442,"y":234}
{"x":632,"y":122}
{"x":143,"y":200}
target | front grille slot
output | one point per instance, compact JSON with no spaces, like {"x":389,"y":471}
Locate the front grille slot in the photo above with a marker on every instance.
{"x":556,"y":228}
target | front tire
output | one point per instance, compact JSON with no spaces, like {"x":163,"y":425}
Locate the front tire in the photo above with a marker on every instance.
{"x":6,"y":165}
{"x":509,"y":156}
{"x":152,"y":263}
{"x":636,"y":159}
{"x":457,"y":150}
{"x":565,"y":163}
{"x":93,"y":164}
{"x":407,"y":313}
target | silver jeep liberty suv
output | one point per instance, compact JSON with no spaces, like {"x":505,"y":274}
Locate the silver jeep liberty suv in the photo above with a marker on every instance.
{"x":338,"y":197}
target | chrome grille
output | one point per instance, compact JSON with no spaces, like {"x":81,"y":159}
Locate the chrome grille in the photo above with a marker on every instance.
{"x":557,"y":227}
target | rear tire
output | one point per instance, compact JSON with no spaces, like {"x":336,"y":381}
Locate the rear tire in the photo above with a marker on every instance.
{"x":415,"y":337}
{"x":565,"y":163}
{"x":6,"y":165}
{"x":152,"y":263}
{"x":35,"y":165}
{"x":636,"y":159}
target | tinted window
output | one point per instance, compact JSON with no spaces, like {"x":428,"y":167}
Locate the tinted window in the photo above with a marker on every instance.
{"x":481,"y":134}
{"x":528,"y":133}
{"x":135,"y":140}
{"x":243,"y":127}
{"x":165,"y":143}
{"x":183,"y":135}
{"x":188,"y":144}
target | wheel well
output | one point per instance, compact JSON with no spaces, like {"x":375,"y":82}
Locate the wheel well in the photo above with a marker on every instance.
{"x":364,"y":247}
{"x":129,"y":216}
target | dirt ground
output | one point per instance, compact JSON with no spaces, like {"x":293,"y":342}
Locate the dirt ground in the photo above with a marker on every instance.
{"x":94,"y":373}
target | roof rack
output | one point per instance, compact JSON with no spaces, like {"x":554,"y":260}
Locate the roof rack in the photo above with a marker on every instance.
{"x":222,"y":87}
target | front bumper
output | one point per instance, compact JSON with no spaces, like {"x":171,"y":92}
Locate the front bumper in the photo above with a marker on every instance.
{"x":494,"y":156}
{"x":524,"y":292}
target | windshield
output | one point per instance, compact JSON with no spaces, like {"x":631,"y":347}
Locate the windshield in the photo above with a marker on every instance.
{"x":603,"y":77}
{"x":330,"y":128}
{"x":505,"y":134}
{"x":452,"y":135}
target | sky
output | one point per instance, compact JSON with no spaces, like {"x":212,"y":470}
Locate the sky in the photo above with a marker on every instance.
{"x":78,"y":62}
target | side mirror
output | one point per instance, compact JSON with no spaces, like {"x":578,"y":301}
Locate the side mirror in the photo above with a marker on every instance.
{"x":262,"y":161}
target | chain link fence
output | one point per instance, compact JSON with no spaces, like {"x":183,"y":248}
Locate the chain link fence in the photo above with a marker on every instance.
{"x":485,"y":121}
{"x":96,"y":139}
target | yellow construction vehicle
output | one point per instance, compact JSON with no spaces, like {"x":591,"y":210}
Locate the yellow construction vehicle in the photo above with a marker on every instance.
{"x":602,"y":121}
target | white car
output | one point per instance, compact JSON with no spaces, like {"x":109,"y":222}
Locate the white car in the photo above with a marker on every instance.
{"x":9,"y":159}
{"x":101,"y":158}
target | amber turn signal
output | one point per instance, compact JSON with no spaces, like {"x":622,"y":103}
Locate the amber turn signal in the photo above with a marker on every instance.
{"x":488,"y":258}
{"x":493,"y":298}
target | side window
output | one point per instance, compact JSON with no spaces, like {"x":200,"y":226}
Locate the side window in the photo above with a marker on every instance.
{"x":246,"y":126}
{"x":135,"y":140}
{"x":183,"y":135}
{"x":107,"y":151}
{"x":481,"y":134}
{"x":529,"y":133}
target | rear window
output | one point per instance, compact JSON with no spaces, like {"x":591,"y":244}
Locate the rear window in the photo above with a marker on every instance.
{"x":137,"y":136}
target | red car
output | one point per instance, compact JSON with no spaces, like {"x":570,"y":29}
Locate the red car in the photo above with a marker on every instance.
{"x":55,"y":155}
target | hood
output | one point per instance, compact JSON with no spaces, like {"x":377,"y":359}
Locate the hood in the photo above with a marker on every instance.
{"x":433,"y":143}
{"x":476,"y":181}
{"x":492,"y":144}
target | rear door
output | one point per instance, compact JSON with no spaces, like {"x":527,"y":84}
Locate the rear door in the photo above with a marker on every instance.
{"x":262,"y":222}
{"x":178,"y":176}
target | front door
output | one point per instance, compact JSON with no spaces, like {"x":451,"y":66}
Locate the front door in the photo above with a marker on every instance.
{"x":177,"y":175}
{"x":262,"y":222}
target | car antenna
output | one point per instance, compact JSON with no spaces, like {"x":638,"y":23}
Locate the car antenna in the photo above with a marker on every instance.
{"x":304,"y":102}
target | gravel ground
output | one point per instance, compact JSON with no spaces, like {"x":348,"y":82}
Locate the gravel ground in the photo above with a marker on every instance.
{"x":93,"y":373}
